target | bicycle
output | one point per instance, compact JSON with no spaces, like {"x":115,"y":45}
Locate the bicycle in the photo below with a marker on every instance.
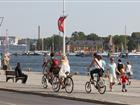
{"x":99,"y":85}
{"x":47,"y":77}
{"x":68,"y":83}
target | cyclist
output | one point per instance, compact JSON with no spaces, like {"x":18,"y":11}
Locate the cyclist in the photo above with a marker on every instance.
{"x":64,"y":70}
{"x":54,"y":64}
{"x":50,"y":67}
{"x":98,"y":67}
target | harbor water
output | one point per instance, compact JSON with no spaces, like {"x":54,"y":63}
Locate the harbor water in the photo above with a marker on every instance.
{"x":77,"y":64}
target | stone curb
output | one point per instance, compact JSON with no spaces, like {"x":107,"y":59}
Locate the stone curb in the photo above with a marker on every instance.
{"x":64,"y":97}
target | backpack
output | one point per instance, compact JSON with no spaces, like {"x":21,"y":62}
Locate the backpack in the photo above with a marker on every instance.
{"x":55,"y":66}
{"x":55,"y":62}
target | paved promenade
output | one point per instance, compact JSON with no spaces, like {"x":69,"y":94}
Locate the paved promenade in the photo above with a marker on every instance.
{"x":34,"y":86}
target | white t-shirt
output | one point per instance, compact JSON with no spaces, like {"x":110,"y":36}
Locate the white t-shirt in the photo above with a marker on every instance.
{"x":98,"y":63}
{"x":128,"y":68}
{"x":65,"y":67}
{"x":112,"y":68}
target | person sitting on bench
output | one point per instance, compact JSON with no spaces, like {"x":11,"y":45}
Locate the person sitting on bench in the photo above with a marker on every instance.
{"x":19,"y":73}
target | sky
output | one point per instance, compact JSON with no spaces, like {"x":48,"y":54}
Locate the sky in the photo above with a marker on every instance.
{"x":103,"y":17}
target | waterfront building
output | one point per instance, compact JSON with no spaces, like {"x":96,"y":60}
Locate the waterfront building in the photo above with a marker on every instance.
{"x":10,"y":44}
{"x":85,"y":46}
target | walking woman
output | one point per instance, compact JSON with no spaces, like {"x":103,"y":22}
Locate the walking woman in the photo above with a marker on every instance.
{"x":111,"y":71}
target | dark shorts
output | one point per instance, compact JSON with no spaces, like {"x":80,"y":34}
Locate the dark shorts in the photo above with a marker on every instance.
{"x":98,"y":71}
{"x":5,"y":67}
{"x":54,"y":70}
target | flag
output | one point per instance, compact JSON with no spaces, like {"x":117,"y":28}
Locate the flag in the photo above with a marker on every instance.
{"x":61,"y":23}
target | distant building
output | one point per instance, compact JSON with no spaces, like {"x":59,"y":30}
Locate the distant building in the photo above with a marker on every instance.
{"x":8,"y":40}
{"x":10,"y":44}
{"x":83,"y":45}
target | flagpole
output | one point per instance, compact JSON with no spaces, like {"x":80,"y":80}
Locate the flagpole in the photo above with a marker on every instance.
{"x":64,"y":29}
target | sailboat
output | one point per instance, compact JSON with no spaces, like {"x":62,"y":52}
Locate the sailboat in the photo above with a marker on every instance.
{"x":124,"y":52}
{"x":111,"y":47}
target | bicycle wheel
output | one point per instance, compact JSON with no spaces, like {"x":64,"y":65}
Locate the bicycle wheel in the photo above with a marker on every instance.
{"x":55,"y":84}
{"x":88,"y":87}
{"x":101,"y":86}
{"x":44,"y":81}
{"x":102,"y":90}
{"x":69,"y":84}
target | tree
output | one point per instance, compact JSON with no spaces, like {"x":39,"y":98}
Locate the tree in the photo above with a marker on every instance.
{"x":78,"y":36}
{"x":131,"y":44}
{"x":58,"y":42}
{"x":119,"y":41}
{"x":92,"y":36}
{"x":135,"y":35}
{"x":54,"y":43}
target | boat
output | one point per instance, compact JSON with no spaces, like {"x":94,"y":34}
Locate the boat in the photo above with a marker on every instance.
{"x":104,"y":54}
{"x":71,"y":54}
{"x":134,"y":54}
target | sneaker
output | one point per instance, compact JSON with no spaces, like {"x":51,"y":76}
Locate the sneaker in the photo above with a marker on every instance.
{"x":122,"y":90}
{"x":125,"y":90}
{"x":119,"y":83}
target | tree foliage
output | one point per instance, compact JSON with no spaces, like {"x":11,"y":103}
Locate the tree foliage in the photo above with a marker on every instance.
{"x":56,"y":41}
{"x":92,"y":36}
{"x":78,"y":36}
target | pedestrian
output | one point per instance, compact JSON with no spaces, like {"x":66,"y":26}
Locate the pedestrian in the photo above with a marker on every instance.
{"x":19,"y":73}
{"x":0,"y":60}
{"x":120,"y":68}
{"x":124,"y":80}
{"x":103,"y":63}
{"x":46,"y":64}
{"x":111,"y":72}
{"x":45,"y":60}
{"x":5,"y":61}
{"x":129,"y":72}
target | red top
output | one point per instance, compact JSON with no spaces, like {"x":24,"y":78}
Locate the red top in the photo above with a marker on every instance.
{"x":124,"y":78}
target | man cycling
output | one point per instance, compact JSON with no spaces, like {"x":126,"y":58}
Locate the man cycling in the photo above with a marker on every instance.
{"x":50,"y":67}
{"x":97,"y":63}
{"x":54,"y":68}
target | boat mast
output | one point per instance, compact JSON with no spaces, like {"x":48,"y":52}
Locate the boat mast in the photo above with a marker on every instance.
{"x":125,"y":40}
{"x":1,"y":20}
{"x":0,"y":26}
{"x":6,"y":42}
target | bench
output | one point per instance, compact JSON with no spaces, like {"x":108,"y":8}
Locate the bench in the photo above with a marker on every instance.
{"x":10,"y":74}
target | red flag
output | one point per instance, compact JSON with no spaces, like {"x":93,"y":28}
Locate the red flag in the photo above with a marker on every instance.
{"x":61,"y":23}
